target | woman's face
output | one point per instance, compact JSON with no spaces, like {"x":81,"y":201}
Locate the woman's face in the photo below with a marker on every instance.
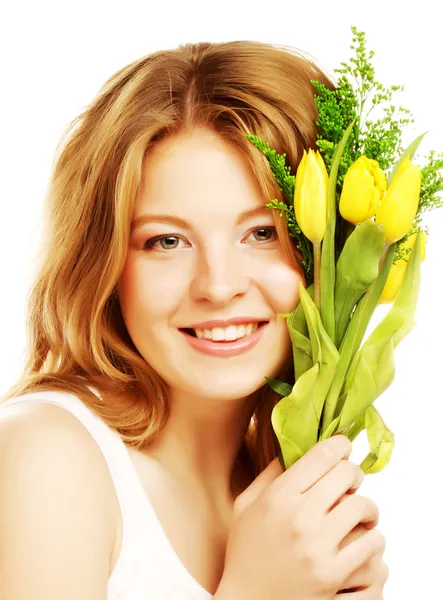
{"x":206,"y":251}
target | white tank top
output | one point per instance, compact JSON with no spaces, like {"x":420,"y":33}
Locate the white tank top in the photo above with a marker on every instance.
{"x":147,"y":567}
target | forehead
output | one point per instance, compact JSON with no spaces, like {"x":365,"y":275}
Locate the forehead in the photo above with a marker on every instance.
{"x":197,"y":170}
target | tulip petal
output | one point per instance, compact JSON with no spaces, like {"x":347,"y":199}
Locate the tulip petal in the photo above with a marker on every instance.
{"x":310,"y":196}
{"x":394,"y":282}
{"x":399,"y":321}
{"x":356,"y":196}
{"x":398,"y":208}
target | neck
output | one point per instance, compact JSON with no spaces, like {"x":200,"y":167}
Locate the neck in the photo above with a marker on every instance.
{"x":202,"y":445}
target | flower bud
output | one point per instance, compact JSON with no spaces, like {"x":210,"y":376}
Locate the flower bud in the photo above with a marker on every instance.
{"x":398,"y":207}
{"x":410,"y":243}
{"x":398,"y":269}
{"x":394,"y":282}
{"x":364,"y":185}
{"x":311,"y":195}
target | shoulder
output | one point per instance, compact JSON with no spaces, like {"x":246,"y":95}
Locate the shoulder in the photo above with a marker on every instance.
{"x":57,"y":520}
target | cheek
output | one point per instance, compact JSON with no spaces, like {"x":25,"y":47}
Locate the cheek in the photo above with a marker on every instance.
{"x":147,"y":296}
{"x":281,"y":285}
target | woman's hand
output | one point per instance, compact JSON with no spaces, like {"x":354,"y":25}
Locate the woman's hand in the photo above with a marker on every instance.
{"x":367,"y":582}
{"x":287,"y":528}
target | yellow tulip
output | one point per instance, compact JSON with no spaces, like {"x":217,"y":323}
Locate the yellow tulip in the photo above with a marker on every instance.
{"x":364,"y":185}
{"x":398,"y":207}
{"x":398,"y":269}
{"x":394,"y":282}
{"x":311,"y":196}
{"x":410,"y":243}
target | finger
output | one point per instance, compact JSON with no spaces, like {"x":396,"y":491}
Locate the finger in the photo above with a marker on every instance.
{"x":359,"y":552}
{"x":353,"y":535}
{"x":350,"y":492}
{"x":311,"y":467}
{"x":324,"y":495}
{"x":260,"y":483}
{"x":348,"y":514}
{"x":368,"y":574}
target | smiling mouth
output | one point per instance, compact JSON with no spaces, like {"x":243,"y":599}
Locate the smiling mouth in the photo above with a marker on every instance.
{"x":225,"y":334}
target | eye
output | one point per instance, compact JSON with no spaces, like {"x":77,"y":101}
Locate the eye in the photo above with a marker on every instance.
{"x":265,"y":234}
{"x":167,"y":242}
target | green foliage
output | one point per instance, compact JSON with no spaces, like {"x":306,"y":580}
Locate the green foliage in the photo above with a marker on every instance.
{"x":430,"y":199}
{"x":431,"y":185}
{"x":302,"y":244}
{"x":337,"y":380}
{"x":286,"y":183}
{"x":379,"y":139}
{"x":356,"y":95}
{"x":277,"y":163}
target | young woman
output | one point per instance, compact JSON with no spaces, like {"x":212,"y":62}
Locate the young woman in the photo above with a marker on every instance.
{"x":138,"y":457}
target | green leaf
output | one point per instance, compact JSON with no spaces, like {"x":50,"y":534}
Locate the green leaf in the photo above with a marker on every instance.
{"x":373,"y":374}
{"x":354,"y":335}
{"x":410,"y":151}
{"x":357,"y":268}
{"x":294,"y":420}
{"x":299,"y":333}
{"x":355,"y":429}
{"x":330,"y":430}
{"x":373,"y":368}
{"x":381,"y":443}
{"x":324,"y":351}
{"x":399,"y":321}
{"x":282,"y":388}
{"x":327,"y":267}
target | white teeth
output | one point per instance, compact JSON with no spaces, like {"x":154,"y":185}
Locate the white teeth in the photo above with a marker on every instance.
{"x":231,"y":333}
{"x":218,"y":334}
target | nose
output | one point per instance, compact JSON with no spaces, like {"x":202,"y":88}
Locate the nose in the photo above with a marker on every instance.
{"x":220,"y":276}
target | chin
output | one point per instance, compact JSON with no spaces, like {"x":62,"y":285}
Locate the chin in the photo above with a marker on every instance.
{"x":222,"y":385}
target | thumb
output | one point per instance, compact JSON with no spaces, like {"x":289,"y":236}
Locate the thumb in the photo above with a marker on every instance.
{"x":260,"y":483}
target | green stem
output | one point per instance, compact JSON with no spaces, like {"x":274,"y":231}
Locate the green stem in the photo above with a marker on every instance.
{"x":317,"y":262}
{"x":355,"y":333}
{"x":327,"y":267}
{"x":350,"y":227}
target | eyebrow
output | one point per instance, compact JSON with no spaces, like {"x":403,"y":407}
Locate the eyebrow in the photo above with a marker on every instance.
{"x":142,"y":219}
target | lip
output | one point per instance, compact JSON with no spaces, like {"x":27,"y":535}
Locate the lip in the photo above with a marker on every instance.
{"x":226,"y":349}
{"x":226,"y":322}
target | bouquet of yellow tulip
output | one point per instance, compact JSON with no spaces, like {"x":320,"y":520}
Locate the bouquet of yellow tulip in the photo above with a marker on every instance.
{"x":361,"y":238}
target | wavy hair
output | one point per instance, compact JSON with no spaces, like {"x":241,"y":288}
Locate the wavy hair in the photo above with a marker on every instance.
{"x":75,"y":331}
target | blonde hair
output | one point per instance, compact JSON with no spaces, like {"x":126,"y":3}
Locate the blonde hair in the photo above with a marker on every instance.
{"x":76,"y":334}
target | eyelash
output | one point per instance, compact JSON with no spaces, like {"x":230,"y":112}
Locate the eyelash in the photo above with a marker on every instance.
{"x":150,"y":244}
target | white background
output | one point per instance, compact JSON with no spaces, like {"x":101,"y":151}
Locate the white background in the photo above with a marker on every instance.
{"x":55,"y":56}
